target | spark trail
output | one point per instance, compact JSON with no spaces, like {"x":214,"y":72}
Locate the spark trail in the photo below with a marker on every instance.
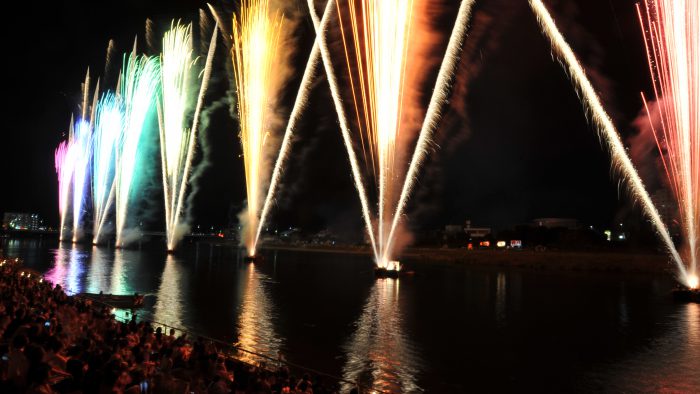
{"x":108,"y":124}
{"x":605,"y":126}
{"x":177,"y":138}
{"x":255,"y":45}
{"x":672,"y":39}
{"x":138,"y":89}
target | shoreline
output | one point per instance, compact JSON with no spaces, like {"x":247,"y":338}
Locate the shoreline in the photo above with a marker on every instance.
{"x":604,"y":261}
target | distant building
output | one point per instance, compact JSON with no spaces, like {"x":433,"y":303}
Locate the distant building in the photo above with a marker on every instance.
{"x":22,"y":221}
{"x":454,"y":229}
{"x":476,"y":232}
{"x":567,"y":223}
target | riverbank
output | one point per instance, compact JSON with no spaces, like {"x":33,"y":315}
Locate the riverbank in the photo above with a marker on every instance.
{"x":603,"y":261}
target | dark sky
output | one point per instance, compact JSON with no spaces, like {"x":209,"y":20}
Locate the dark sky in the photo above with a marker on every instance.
{"x":514,"y":146}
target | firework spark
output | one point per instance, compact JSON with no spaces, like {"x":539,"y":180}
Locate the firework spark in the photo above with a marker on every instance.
{"x":255,"y":45}
{"x":138,"y":89}
{"x":109,"y":120}
{"x":604,"y":125}
{"x":672,"y":39}
{"x":177,"y":138}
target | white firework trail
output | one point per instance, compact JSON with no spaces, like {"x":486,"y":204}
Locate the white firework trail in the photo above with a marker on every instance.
{"x":605,"y":127}
{"x":342,"y":119}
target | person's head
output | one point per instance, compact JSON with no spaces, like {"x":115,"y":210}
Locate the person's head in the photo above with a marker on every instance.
{"x":34,"y":353}
{"x":39,"y":374}
{"x":54,"y":345}
{"x":19,"y":341}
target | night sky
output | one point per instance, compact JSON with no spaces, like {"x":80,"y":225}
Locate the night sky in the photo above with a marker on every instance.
{"x":515,"y":144}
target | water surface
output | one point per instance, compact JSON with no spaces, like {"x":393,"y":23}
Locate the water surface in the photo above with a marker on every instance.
{"x":447,"y":329}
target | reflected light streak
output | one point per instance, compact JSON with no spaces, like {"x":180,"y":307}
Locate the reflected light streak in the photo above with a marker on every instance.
{"x":379,"y":354}
{"x":168,"y":307}
{"x":501,"y":299}
{"x":67,"y":269}
{"x":119,"y":283}
{"x":256,"y":327}
{"x":98,"y":277}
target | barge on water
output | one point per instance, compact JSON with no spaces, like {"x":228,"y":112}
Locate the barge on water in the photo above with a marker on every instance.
{"x":685,"y":294}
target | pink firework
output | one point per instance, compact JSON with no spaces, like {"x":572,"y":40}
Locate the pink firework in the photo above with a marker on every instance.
{"x":64,"y":170}
{"x":672,"y":38}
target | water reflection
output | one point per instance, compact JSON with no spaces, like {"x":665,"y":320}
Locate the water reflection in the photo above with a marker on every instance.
{"x":256,"y":317}
{"x":379,"y":354}
{"x":669,"y":363}
{"x":501,"y":298}
{"x":68,"y":267}
{"x":119,"y":280}
{"x":98,"y":277}
{"x":168,"y":307}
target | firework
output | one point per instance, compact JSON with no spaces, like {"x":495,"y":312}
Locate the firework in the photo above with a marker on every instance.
{"x":672,"y":38}
{"x":375,"y":48}
{"x":108,"y":124}
{"x":604,"y":125}
{"x":177,"y":136}
{"x":138,"y":89}
{"x":81,"y":147}
{"x":255,"y":45}
{"x":64,"y":170}
{"x":434,"y":113}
